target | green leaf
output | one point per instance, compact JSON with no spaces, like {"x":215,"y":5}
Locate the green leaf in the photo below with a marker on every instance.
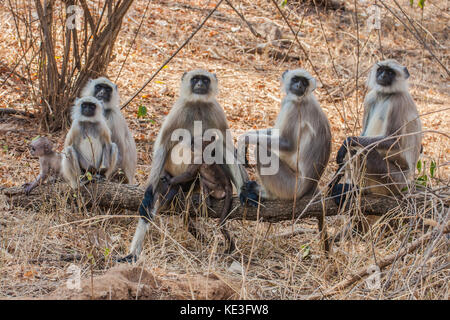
{"x":283,"y":3}
{"x":89,"y":176}
{"x":35,"y":138}
{"x":5,"y":148}
{"x":306,"y":250}
{"x":422,"y":178}
{"x":421,"y":3}
{"x":432,"y":168}
{"x":419,"y":165}
{"x":411,"y":2}
{"x":142,"y":111}
{"x":107,"y":252}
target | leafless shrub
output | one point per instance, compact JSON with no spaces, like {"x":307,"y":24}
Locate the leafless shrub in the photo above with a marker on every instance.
{"x":64,"y":44}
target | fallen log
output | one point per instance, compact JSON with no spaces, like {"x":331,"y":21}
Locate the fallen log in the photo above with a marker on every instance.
{"x":120,"y":196}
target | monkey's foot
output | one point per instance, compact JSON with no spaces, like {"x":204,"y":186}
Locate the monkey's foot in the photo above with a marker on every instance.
{"x":131,"y":258}
{"x":249,"y":193}
{"x":27,"y":188}
{"x":340,"y":191}
{"x":102,"y":171}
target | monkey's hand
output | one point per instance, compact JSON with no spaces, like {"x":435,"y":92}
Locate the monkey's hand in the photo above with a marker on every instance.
{"x":343,"y":151}
{"x":249,"y":193}
{"x":166,"y":180}
{"x":28,"y":187}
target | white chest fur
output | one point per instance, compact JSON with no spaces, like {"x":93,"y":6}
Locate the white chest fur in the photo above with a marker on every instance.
{"x":376,"y":123}
{"x":91,"y":150}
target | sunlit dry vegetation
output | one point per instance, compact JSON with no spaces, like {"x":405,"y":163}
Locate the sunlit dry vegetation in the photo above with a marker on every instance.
{"x":38,"y":244}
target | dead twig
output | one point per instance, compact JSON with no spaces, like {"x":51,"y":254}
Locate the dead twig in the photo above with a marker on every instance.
{"x":382,"y":263}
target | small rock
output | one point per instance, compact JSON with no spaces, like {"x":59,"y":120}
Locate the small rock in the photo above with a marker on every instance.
{"x":235,"y":267}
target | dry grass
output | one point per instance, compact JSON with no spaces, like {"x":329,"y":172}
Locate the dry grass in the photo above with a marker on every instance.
{"x":33,"y":242}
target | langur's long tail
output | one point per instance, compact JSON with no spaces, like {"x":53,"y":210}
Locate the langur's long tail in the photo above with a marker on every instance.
{"x":147,"y":204}
{"x":339,"y":191}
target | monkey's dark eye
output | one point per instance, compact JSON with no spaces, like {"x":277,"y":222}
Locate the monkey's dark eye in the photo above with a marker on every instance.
{"x":32,"y":149}
{"x":203,"y":79}
{"x":302,"y":80}
{"x":89,"y":105}
{"x":99,"y":87}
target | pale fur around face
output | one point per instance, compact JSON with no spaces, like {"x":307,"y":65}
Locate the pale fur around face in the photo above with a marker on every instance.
{"x":185,"y":88}
{"x":400,"y":82}
{"x":76,"y":110}
{"x":286,"y":81}
{"x":88,"y":90}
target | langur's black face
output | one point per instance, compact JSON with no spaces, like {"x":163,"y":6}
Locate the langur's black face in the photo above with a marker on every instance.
{"x":103,"y":92}
{"x":88,"y":109}
{"x":200,"y":84}
{"x":385,"y":76}
{"x":298,"y":85}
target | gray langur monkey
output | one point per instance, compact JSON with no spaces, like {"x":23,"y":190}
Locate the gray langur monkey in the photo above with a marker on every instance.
{"x":197,"y":102}
{"x":214,"y":182}
{"x":391,"y":137}
{"x":88,"y":145}
{"x":49,"y":162}
{"x":303,"y":136}
{"x":106,"y":91}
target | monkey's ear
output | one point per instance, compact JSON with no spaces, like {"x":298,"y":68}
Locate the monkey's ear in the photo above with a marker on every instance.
{"x":284,"y":74}
{"x":406,"y":72}
{"x":184,"y":74}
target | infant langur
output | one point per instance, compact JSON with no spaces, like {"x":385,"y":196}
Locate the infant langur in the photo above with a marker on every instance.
{"x":49,"y":161}
{"x":88,"y":146}
{"x":214,"y":182}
